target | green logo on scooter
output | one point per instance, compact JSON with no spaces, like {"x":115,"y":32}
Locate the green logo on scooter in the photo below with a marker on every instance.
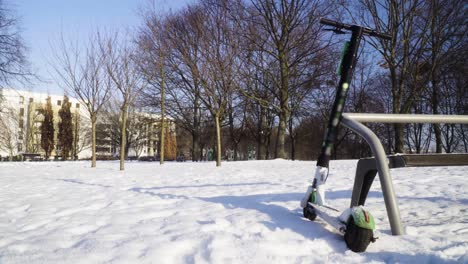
{"x":313,"y":196}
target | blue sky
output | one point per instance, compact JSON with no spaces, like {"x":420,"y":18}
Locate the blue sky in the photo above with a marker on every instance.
{"x":42,"y":22}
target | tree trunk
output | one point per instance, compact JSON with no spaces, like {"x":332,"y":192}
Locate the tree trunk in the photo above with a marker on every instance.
{"x":163,"y":123}
{"x":399,"y":138}
{"x":268,"y":144}
{"x":123,"y":142}
{"x":280,"y":138}
{"x":276,"y":143}
{"x":464,"y":138}
{"x":195,"y":147}
{"x":284,"y":97}
{"x":293,"y":148}
{"x":259,"y":136}
{"x":388,"y":130}
{"x":232,"y":133}
{"x":292,"y":138}
{"x":218,"y":141}
{"x":93,"y":140}
{"x":259,"y":149}
{"x":235,"y":146}
{"x":75,"y":138}
{"x":161,"y":141}
{"x":196,"y":151}
{"x":435,"y":111}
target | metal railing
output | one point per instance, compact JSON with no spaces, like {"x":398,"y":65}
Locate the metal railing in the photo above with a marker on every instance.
{"x":353,"y":122}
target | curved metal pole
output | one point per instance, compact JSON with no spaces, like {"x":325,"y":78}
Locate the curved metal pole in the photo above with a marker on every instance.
{"x":407,"y":118}
{"x":391,"y":203}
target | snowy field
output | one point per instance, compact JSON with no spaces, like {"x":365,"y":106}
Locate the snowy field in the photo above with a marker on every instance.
{"x":243,"y":212}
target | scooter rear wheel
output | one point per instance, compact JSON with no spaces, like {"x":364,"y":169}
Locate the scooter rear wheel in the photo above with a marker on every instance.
{"x":357,"y":238}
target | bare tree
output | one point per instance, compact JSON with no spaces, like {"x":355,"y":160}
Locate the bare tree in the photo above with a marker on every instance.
{"x":220,"y":63}
{"x":290,"y":35}
{"x":182,"y":33}
{"x":122,"y":68}
{"x":33,"y":126}
{"x":11,"y":132}
{"x":81,"y":134}
{"x":402,"y":55}
{"x":447,"y":34}
{"x":83,"y":74}
{"x":255,"y":82}
{"x":155,"y":49}
{"x":13,"y":61}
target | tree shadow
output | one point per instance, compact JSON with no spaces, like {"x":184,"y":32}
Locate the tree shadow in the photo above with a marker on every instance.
{"x":154,"y":191}
{"x":396,"y":257}
{"x":281,"y":217}
{"x":204,"y":186}
{"x":84,"y":183}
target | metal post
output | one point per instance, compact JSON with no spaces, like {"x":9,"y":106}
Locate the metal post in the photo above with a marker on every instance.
{"x":391,"y":203}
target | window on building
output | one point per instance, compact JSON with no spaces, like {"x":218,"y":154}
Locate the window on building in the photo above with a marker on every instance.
{"x":20,"y":137}
{"x":21,"y":100}
{"x":21,"y":111}
{"x":59,"y":102}
{"x":31,"y":99}
{"x":77,"y":105}
{"x":21,"y":123}
{"x":20,"y":147}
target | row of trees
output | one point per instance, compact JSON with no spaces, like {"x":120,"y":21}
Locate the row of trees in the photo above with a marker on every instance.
{"x":104,"y":74}
{"x":225,"y":60}
{"x":66,"y":130}
{"x":264,"y":70}
{"x":260,"y":74}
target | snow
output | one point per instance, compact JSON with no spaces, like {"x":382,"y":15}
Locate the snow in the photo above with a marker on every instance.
{"x":243,"y":212}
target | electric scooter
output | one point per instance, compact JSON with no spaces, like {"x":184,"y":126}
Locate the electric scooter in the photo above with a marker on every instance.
{"x":356,"y":223}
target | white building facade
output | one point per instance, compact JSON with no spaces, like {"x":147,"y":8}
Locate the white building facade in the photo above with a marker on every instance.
{"x":21,"y":118}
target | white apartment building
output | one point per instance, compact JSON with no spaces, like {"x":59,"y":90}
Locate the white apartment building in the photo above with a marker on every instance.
{"x":144,"y":129}
{"x":21,"y":118}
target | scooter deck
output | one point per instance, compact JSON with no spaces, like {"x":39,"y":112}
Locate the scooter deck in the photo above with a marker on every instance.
{"x":330,"y":215}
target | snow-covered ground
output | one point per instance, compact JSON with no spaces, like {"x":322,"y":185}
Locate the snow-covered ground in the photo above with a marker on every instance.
{"x":243,"y":212}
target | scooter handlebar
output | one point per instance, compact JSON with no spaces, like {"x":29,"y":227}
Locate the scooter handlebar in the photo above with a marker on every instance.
{"x":367,"y":31}
{"x":333,"y":23}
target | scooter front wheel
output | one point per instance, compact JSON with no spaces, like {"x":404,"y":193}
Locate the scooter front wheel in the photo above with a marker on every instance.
{"x":309,"y":212}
